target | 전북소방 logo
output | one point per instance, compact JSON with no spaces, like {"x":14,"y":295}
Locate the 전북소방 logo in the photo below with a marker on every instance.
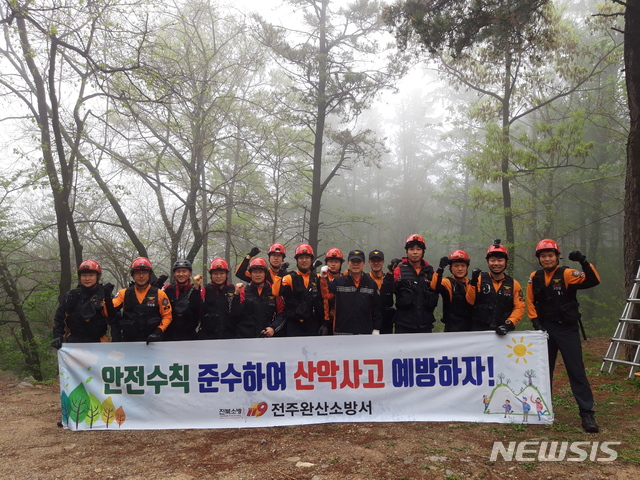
{"x":544,"y":451}
{"x":257,"y":409}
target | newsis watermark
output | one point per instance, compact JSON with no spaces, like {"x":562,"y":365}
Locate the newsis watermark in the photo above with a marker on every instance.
{"x":545,"y":451}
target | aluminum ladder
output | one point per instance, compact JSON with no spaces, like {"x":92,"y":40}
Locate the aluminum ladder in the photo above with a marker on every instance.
{"x":619,"y":340}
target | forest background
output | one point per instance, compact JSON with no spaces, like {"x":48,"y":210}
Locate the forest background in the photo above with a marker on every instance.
{"x":198,"y":129}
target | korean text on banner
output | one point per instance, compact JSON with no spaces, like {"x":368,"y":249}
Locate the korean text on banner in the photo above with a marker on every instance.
{"x":471,"y":376}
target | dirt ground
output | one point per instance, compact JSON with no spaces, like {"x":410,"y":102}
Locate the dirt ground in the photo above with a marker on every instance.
{"x":33,"y":447}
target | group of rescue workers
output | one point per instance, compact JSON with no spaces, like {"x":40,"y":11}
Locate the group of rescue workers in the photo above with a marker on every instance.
{"x":279,"y":302}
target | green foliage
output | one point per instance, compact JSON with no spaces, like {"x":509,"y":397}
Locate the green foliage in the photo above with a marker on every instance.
{"x":12,"y":358}
{"x":79,"y":404}
{"x":456,"y":25}
{"x":64,"y":406}
{"x":94,"y":412}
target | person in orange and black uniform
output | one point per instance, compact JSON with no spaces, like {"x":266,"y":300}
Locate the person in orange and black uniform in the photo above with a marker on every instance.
{"x":277,"y":266}
{"x":456,"y":311}
{"x":376,"y":266}
{"x":301,"y":293}
{"x":145,"y":309}
{"x":215,"y":321}
{"x":82,"y":316}
{"x":255,"y":309}
{"x":186,"y":302}
{"x":358,"y":307}
{"x":497,"y":298}
{"x":552,"y":305}
{"x":415,"y":301}
{"x":331,"y":270}
{"x":333,"y":260}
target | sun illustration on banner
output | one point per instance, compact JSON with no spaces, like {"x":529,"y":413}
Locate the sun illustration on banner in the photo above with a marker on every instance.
{"x":520,"y":350}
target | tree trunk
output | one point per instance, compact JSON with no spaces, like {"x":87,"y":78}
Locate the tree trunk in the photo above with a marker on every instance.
{"x":464,"y":228}
{"x":591,"y":245}
{"x":632,"y":182}
{"x":506,"y":182}
{"x":204,"y":204}
{"x":58,"y":190}
{"x":321,"y":113}
{"x":27,"y":342}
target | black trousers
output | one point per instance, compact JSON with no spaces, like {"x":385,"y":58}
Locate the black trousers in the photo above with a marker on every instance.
{"x":566,"y":339}
{"x":405,"y":329}
{"x":306,"y":328}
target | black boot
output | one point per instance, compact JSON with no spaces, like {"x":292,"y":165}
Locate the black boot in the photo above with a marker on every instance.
{"x":589,"y":424}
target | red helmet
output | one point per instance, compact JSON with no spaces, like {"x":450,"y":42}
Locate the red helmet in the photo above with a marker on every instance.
{"x":218,"y":264}
{"x":334,"y":253}
{"x":415,"y":239}
{"x":303,"y":249}
{"x":141,"y":263}
{"x":459,"y":256}
{"x":547,"y":244}
{"x":258,"y":262}
{"x":89,"y":266}
{"x":277,"y":248}
{"x":497,"y":250}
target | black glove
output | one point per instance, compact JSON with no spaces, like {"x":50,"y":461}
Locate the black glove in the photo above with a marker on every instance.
{"x":316,"y":264}
{"x":283,"y":269}
{"x":444,"y":262}
{"x":537,"y":325}
{"x":108,"y":289}
{"x":475,"y":275}
{"x":394,"y":263}
{"x":254,"y":251}
{"x":160,"y":281}
{"x":57,"y":343}
{"x":324,"y":330}
{"x":156,"y":336}
{"x":577,"y":256}
{"x":505,"y":328}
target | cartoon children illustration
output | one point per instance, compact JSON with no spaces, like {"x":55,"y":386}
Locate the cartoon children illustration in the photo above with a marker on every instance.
{"x":485,"y":401}
{"x":507,"y":408}
{"x":526,"y":408}
{"x":539,"y":406}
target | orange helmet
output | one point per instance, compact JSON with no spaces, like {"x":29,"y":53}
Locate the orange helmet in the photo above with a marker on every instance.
{"x":303,"y":249}
{"x":141,"y":263}
{"x":89,"y":266}
{"x":258,"y":262}
{"x":415,"y":239}
{"x":547,"y":244}
{"x":334,"y":253}
{"x":219,"y":264}
{"x":459,"y":256}
{"x":497,"y":250}
{"x":277,"y":248}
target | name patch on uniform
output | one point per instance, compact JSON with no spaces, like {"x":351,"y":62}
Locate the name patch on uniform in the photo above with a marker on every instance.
{"x":340,"y":288}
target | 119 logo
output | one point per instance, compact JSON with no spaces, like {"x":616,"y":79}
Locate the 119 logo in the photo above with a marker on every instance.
{"x":257,"y":409}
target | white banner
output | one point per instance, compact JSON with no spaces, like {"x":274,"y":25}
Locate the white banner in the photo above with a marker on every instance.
{"x":471,"y":377}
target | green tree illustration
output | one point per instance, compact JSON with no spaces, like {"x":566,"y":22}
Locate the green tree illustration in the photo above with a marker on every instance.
{"x":64,"y":404}
{"x":95,"y":410}
{"x":78,"y":404}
